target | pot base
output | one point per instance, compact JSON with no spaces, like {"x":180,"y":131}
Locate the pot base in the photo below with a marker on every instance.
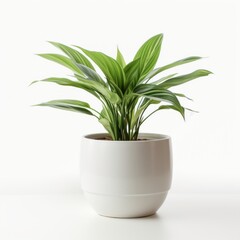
{"x":126,"y":206}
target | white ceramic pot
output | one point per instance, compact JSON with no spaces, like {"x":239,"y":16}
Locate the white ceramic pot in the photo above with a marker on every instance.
{"x":126,"y":178}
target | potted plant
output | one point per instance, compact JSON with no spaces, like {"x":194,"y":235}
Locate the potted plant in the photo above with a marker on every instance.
{"x":125,"y":173}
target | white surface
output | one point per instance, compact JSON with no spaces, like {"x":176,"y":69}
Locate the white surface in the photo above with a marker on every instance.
{"x":61,"y":217}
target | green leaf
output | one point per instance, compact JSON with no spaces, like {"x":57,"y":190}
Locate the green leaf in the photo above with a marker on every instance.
{"x":90,"y":86}
{"x":109,"y":66}
{"x":149,"y":53}
{"x":106,"y":124}
{"x":172,"y":107}
{"x":126,"y":91}
{"x":73,"y":54}
{"x":182,"y":95}
{"x":70,"y":105}
{"x":190,"y":110}
{"x":132,"y":73}
{"x":120,"y":59}
{"x":171,"y":65}
{"x":60,"y":59}
{"x":184,"y":78}
{"x":71,"y":102}
{"x":138,"y":112}
{"x":91,"y":74}
{"x":60,"y":81}
{"x":100,"y":88}
{"x":157,"y":93}
{"x":163,"y":79}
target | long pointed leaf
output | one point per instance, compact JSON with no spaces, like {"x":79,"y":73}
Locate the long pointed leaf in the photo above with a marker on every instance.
{"x":132,"y":73}
{"x":172,"y":107}
{"x":73,"y":54}
{"x":106,"y":124}
{"x":60,"y":59}
{"x":184,"y":78}
{"x":109,"y":66}
{"x":91,"y":74}
{"x":70,"y":105}
{"x":70,"y":102}
{"x":138,"y":112}
{"x":149,"y":53}
{"x":171,"y":65}
{"x":90,"y":86}
{"x":164,"y":79}
{"x":120,"y":58}
{"x":182,"y":95}
{"x":156,"y":93}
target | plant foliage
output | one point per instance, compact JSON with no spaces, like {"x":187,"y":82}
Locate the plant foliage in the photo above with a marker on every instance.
{"x":126,"y":90}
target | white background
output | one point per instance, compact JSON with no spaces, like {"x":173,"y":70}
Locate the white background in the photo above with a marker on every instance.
{"x":40,"y":147}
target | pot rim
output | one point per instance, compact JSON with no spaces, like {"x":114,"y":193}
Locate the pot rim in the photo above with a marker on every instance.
{"x":148,"y":137}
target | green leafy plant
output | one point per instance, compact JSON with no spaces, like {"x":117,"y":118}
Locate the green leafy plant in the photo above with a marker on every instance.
{"x":126,"y":90}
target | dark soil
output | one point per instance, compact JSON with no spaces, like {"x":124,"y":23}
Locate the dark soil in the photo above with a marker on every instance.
{"x":110,"y":139}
